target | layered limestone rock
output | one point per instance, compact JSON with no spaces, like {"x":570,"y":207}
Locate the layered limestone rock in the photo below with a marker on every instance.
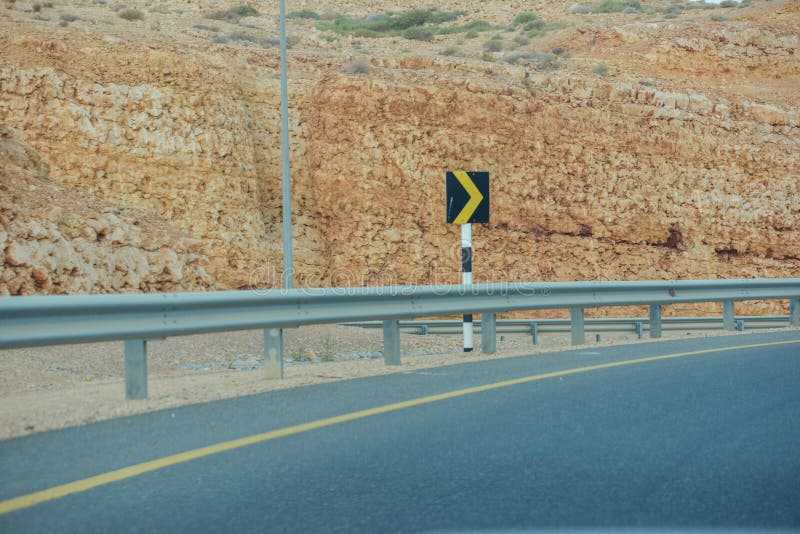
{"x":663,"y":173}
{"x":590,"y":181}
{"x":55,"y":240}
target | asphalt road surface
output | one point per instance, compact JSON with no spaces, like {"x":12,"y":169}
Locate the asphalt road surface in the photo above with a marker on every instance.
{"x":690,"y":441}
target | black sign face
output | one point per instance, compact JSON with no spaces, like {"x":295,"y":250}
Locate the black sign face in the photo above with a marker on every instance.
{"x":467,"y":197}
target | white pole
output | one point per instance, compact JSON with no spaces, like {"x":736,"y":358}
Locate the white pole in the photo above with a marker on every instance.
{"x":466,"y":280}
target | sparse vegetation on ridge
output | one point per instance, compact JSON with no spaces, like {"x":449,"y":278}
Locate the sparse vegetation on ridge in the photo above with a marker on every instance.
{"x":419,"y":24}
{"x":617,"y":6}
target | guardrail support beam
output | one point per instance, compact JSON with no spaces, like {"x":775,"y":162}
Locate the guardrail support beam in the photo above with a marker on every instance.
{"x":794,"y":312}
{"x":655,"y":321}
{"x":577,"y":326}
{"x":273,"y":353}
{"x":391,"y":342}
{"x":728,"y":320}
{"x":535,"y":333}
{"x":488,"y":333}
{"x":136,"y":369}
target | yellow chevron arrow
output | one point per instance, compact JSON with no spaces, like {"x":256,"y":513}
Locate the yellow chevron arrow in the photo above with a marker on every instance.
{"x":475,"y":197}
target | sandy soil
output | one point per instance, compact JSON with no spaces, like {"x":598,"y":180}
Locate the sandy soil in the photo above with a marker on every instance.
{"x":56,"y":387}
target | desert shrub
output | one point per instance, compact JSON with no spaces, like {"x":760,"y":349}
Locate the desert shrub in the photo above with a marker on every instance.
{"x":472,"y":34}
{"x":219,"y":39}
{"x":359,"y":66}
{"x":558,"y":51}
{"x":674,"y":10}
{"x":269,"y":42}
{"x":233,"y":14}
{"x":521,"y":40}
{"x":728,"y":3}
{"x":37,"y":8}
{"x":541,"y":61}
{"x":446,"y":16}
{"x":551,"y":26}
{"x":68,"y":17}
{"x":580,"y":10}
{"x":418,"y":34}
{"x":451,"y":51}
{"x":205,"y":28}
{"x":534,"y":25}
{"x":630,"y":10}
{"x":546,"y":62}
{"x":131,"y":14}
{"x":470,"y":28}
{"x":242,"y":37}
{"x":487,"y":56}
{"x":600,"y":69}
{"x":244,"y":11}
{"x":718,"y":18}
{"x":307,"y":14}
{"x":515,"y":57}
{"x":524,"y":18}
{"x":493,"y":46}
{"x":616,"y":6}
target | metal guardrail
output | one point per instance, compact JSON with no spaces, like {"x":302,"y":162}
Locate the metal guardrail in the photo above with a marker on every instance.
{"x":636,"y":325}
{"x":53,"y":320}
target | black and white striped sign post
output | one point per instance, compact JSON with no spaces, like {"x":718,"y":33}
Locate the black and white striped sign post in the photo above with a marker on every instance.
{"x":467,"y":203}
{"x":466,"y":281}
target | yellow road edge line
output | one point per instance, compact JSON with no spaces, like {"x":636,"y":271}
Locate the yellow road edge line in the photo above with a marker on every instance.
{"x":475,"y":197}
{"x":57,"y":492}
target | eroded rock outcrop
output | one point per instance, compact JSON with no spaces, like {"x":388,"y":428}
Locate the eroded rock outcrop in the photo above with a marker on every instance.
{"x":55,"y":240}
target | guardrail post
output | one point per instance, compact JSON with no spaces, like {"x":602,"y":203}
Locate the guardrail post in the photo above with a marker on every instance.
{"x":794,"y":312}
{"x":273,"y":353}
{"x":639,"y":329}
{"x":423,"y":330}
{"x":488,"y":333}
{"x":391,"y":342}
{"x":535,"y":333}
{"x":655,"y":321}
{"x":577,"y":326}
{"x":739,"y":325}
{"x":728,"y":321}
{"x":136,"y":369}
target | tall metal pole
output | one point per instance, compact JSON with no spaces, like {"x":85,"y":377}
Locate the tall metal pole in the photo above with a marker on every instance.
{"x":288,"y":270}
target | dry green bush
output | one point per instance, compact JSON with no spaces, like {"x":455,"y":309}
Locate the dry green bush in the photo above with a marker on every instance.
{"x":131,"y":14}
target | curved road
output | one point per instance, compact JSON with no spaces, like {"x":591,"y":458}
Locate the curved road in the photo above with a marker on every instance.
{"x":650,"y":435}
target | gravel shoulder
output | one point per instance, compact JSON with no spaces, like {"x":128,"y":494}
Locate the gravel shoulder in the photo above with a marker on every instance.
{"x":55,"y":387}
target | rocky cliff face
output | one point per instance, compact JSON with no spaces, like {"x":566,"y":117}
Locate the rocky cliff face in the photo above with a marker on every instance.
{"x":674,"y":167}
{"x":57,"y":240}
